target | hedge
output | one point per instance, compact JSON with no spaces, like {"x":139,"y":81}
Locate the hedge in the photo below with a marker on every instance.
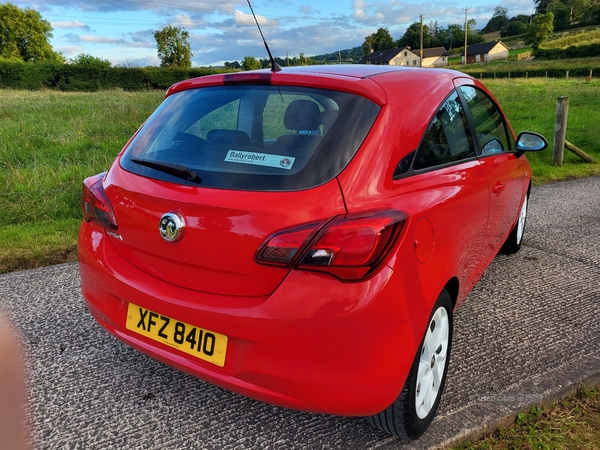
{"x":69,"y":77}
{"x":579,"y":72}
{"x":574,"y":51}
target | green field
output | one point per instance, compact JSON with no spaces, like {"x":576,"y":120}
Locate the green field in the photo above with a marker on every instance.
{"x":50,"y":141}
{"x":530,"y":104}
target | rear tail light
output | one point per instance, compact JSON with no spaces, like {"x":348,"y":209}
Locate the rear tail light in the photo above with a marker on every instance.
{"x":282,"y":248}
{"x":95,"y":204}
{"x":349,"y":247}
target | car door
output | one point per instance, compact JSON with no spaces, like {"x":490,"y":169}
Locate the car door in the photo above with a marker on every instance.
{"x":446,"y":192}
{"x":495,"y":150}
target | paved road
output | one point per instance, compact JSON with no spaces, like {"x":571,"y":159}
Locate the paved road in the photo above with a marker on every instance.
{"x":528,"y":332}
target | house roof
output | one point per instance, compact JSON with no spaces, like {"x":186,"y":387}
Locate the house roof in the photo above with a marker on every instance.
{"x":485,"y":47}
{"x":383,"y":56}
{"x":434,"y":52}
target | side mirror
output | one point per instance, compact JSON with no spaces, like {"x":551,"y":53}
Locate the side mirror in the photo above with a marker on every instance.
{"x":530,"y":142}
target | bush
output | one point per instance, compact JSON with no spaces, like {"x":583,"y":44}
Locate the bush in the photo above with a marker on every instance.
{"x":89,"y":61}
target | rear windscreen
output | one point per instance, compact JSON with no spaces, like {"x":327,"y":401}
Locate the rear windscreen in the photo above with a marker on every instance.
{"x":250,"y":137}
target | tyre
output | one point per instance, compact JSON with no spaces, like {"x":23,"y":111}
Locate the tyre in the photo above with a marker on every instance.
{"x":513,"y":242}
{"x":414,"y":409}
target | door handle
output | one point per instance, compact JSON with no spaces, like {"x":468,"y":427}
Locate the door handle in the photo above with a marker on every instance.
{"x":498,"y":188}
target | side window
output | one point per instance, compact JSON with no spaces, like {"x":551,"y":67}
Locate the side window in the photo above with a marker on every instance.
{"x":222,"y":118}
{"x":447,"y":138}
{"x":490,"y":128}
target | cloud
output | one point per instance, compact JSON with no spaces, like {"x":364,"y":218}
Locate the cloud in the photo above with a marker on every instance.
{"x":99,"y":39}
{"x":70,"y":49}
{"x":71,"y":24}
{"x":136,"y":62}
{"x":247,"y":20}
{"x":185,"y":21}
{"x":160,"y":6}
{"x":136,"y":41}
{"x":223,"y":30}
{"x":214,"y":49}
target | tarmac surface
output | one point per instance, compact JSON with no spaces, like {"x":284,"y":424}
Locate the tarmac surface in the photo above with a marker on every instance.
{"x":529,"y":333}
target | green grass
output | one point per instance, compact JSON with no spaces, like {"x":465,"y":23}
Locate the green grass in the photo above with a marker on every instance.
{"x":512,"y":56}
{"x":50,"y":141}
{"x":580,"y":37}
{"x":573,"y":423}
{"x":530,"y":105}
{"x":504,"y":67}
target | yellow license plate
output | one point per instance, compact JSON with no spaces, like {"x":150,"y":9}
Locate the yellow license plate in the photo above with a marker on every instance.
{"x":195,"y":341}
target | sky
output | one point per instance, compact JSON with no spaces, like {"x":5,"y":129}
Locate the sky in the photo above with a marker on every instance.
{"x":121,"y":31}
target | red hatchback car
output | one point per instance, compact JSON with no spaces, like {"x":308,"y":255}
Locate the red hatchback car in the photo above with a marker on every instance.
{"x":303,"y":236}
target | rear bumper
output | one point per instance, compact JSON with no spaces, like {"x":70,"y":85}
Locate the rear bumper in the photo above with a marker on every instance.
{"x":315,"y":344}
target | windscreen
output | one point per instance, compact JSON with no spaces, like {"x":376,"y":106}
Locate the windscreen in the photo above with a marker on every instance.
{"x":249,"y":137}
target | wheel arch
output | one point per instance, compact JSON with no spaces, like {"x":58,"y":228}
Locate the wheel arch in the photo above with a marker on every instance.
{"x":452,"y":287}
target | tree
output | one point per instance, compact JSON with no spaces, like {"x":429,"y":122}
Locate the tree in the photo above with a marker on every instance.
{"x":593,"y":17}
{"x":233,"y":65}
{"x":498,"y":21}
{"x":472,"y":36}
{"x":455,"y":36}
{"x":412,"y":36}
{"x":541,"y":5}
{"x":173,"y":47}
{"x":251,"y":63}
{"x":540,"y":29}
{"x":381,"y":40}
{"x":514,"y":28}
{"x":562,"y":15}
{"x":24,"y":35}
{"x":91,"y":62}
{"x":521,"y":18}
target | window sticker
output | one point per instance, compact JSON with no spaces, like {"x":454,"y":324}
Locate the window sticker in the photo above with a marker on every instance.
{"x":260,"y":159}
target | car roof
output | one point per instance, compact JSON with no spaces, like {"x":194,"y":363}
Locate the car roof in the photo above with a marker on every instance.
{"x":355,"y":78}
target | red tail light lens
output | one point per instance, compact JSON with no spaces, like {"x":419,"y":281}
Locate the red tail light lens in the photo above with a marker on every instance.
{"x":349,"y":247}
{"x":282,"y":248}
{"x":95,"y":204}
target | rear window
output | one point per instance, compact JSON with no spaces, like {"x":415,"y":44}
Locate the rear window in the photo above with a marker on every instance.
{"x":251,"y":137}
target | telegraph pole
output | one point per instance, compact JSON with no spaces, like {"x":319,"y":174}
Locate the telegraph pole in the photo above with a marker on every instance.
{"x":466,"y":32}
{"x":421,"y":54}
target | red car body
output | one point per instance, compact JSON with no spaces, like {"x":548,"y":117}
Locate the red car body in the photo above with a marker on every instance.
{"x":336,"y":339}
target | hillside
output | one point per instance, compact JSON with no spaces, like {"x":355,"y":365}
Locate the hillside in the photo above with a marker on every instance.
{"x":352,"y":55}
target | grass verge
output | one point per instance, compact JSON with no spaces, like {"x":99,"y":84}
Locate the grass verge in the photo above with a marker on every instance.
{"x":28,"y":246}
{"x":573,"y":423}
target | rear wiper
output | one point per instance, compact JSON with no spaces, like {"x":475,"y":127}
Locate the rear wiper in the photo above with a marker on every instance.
{"x":178,"y":170}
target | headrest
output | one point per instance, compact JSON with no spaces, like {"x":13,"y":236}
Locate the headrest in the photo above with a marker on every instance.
{"x":228,"y":136}
{"x":302,"y":115}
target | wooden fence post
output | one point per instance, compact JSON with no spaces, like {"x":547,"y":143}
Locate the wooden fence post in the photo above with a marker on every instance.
{"x":560,"y":130}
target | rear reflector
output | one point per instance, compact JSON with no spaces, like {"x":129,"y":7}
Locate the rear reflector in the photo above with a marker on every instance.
{"x":95,"y":204}
{"x":350,"y":247}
